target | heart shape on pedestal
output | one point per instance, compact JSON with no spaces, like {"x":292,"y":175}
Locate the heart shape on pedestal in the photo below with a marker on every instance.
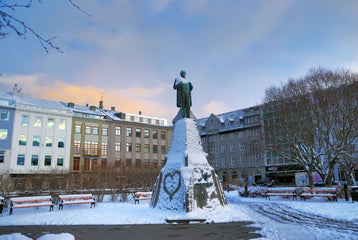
{"x":172,"y":182}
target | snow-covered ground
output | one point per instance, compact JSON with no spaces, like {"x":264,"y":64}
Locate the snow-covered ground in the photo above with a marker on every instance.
{"x":278,"y":218}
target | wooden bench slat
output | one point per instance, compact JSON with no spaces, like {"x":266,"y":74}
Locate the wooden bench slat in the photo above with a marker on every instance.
{"x":142,"y":196}
{"x":283,"y":192}
{"x":319,"y":192}
{"x":30,"y":202}
{"x":76,"y":199}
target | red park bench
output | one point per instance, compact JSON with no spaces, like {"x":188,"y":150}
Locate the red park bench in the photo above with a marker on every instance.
{"x":30,"y":202}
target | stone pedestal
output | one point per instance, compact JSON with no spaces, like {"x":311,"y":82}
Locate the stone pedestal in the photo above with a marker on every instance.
{"x":187,"y":181}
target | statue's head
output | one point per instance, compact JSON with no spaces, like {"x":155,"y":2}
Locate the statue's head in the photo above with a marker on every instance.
{"x":182,"y":73}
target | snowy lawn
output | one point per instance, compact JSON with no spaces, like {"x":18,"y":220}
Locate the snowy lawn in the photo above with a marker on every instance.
{"x":238,"y":209}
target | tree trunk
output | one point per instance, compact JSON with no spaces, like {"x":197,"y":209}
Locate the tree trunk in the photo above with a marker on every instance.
{"x":329,"y":177}
{"x":310,"y":178}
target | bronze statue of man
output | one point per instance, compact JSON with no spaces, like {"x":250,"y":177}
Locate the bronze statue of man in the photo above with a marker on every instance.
{"x":183,"y":87}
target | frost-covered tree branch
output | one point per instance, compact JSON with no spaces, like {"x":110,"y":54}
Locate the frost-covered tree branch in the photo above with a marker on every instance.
{"x":10,"y":22}
{"x":316,"y":121}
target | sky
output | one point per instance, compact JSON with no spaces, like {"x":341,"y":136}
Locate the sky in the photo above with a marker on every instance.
{"x":129,"y":52}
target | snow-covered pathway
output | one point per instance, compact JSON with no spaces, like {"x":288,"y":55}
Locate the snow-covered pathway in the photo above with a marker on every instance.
{"x":286,"y":220}
{"x":277,"y":218}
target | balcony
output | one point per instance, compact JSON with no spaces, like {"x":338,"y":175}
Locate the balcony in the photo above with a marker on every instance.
{"x":91,"y":152}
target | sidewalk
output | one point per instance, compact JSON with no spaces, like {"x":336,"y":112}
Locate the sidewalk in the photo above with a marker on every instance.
{"x":227,"y":231}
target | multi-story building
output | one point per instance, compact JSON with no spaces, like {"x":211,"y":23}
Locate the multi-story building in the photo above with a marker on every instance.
{"x":7,"y":113}
{"x":104,"y":138}
{"x":234,"y":145}
{"x":279,"y":168}
{"x":41,"y":136}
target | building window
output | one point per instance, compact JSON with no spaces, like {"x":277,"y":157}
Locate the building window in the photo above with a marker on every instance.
{"x":231,"y":147}
{"x":50,"y":123}
{"x":87,"y":164}
{"x":222,"y":149}
{"x":38,"y":122}
{"x":21,"y":159}
{"x":36,"y":141}
{"x":2,"y":156}
{"x":146,"y":133}
{"x":47,"y":160}
{"x":128,"y":132}
{"x":146,"y":148}
{"x":34,"y":160}
{"x":103,"y":163}
{"x":163,"y":149}
{"x":117,"y":146}
{"x":88,"y":130}
{"x":232,"y":161}
{"x":242,"y":147}
{"x":155,"y":134}
{"x":128,"y":162}
{"x":61,"y":142}
{"x":231,"y":136}
{"x":118,"y":131}
{"x":128,"y":147}
{"x":137,"y":163}
{"x":138,"y":132}
{"x":104,"y":131}
{"x":95,"y":130}
{"x":76,"y":163}
{"x":3,"y":134}
{"x":104,"y":151}
{"x":137,"y":147}
{"x":60,"y":161}
{"x":25,"y":120}
{"x":49,"y":141}
{"x":22,"y":140}
{"x":162,"y":135}
{"x":4,"y":114}
{"x":77,"y":148}
{"x":78,"y":128}
{"x":155,"y":148}
{"x":62,"y":124}
{"x":94,"y":148}
{"x":94,"y":164}
{"x":223,"y":162}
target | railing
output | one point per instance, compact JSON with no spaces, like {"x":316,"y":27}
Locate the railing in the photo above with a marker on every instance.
{"x":91,"y":152}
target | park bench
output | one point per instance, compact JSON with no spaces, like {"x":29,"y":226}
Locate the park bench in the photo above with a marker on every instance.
{"x":142,"y":196}
{"x":330,"y":193}
{"x":283,"y":192}
{"x":185,"y":221}
{"x":75,"y":199}
{"x":30,"y":202}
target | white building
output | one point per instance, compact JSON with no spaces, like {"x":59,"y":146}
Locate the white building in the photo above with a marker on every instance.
{"x":41,"y":137}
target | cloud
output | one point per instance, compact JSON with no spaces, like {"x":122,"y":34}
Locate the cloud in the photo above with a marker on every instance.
{"x":215,"y":107}
{"x":126,"y":100}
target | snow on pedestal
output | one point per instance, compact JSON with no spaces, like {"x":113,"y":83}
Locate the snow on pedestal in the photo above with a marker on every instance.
{"x":187,"y":181}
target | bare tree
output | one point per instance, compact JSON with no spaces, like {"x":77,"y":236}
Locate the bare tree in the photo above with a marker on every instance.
{"x":315,"y":121}
{"x":10,"y":22}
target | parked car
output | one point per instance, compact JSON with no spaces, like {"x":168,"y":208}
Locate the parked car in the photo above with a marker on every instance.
{"x":264,"y":182}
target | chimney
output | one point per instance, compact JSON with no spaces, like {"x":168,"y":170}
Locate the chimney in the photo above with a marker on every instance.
{"x":140,"y":112}
{"x":113,"y":108}
{"x":71,"y":105}
{"x":100,"y":104}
